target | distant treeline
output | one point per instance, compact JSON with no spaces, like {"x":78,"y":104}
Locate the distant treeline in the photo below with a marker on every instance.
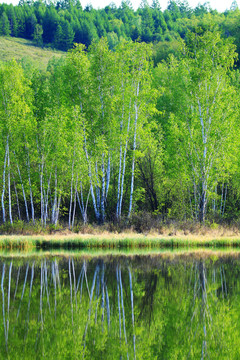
{"x":62,"y":23}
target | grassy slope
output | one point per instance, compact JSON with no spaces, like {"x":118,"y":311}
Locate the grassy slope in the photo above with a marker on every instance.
{"x":17,"y":48}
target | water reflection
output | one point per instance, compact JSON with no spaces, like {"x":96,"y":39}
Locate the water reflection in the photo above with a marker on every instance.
{"x":142,"y":307}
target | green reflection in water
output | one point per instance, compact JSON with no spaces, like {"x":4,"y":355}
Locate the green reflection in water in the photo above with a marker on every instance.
{"x":117,"y":307}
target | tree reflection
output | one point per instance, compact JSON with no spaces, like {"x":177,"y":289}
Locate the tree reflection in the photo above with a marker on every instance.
{"x":95,"y":308}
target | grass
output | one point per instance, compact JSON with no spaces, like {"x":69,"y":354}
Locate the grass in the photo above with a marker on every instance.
{"x":18,"y":48}
{"x":110,"y":241}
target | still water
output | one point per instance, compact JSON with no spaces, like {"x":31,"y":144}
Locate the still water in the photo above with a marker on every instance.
{"x":184,"y":306}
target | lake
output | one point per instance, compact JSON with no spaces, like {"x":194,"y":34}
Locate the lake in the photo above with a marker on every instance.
{"x":155,"y":306}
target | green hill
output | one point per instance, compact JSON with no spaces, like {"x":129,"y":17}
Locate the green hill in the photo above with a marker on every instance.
{"x":18,"y":48}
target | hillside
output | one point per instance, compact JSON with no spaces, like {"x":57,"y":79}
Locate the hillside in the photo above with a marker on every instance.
{"x":19,"y":48}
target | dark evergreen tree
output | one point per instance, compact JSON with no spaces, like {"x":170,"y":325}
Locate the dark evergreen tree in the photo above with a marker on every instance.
{"x":4,"y":25}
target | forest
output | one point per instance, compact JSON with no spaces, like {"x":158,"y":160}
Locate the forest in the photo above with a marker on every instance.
{"x":123,"y":126}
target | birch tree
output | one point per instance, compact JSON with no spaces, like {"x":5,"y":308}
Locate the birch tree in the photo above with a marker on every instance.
{"x":202,"y":112}
{"x":16,"y":125}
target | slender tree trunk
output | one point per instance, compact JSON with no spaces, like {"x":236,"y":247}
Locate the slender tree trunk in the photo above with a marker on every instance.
{"x":202,"y":204}
{"x":98,"y":192}
{"x":41,"y":190}
{"x":90,"y":178}
{"x":75,"y":203}
{"x":9,"y":190}
{"x":17,"y":201}
{"x":134,"y":149}
{"x":23,"y":191}
{"x":4,"y":181}
{"x":30,"y":186}
{"x":224,"y":203}
{"x":124,"y":165}
{"x":108,"y":177}
{"x":71,"y":195}
{"x":58,"y":208}
{"x":54,"y":208}
{"x":46,"y":201}
{"x":119,"y":182}
{"x":103,"y":191}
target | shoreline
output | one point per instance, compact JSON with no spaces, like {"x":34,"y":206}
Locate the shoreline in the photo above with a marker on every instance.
{"x":115,"y":241}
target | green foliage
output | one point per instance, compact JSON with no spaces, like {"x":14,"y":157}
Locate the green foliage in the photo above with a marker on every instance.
{"x":4,"y":25}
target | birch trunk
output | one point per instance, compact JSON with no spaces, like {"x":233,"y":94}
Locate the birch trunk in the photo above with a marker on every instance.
{"x":54,"y":208}
{"x":9,"y":190}
{"x":70,"y":205}
{"x":30,"y":186}
{"x":124,"y":166}
{"x":90,"y":179}
{"x":103,"y":191}
{"x":23,"y":191}
{"x":17,"y":200}
{"x":134,"y":148}
{"x":4,"y":180}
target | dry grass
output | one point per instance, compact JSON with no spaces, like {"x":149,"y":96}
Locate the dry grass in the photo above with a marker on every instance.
{"x":169,"y":232}
{"x":17,"y":48}
{"x":109,"y":241}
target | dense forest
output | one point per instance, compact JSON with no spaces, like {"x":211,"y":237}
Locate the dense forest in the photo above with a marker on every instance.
{"x":60,"y":24}
{"x":140,"y":117}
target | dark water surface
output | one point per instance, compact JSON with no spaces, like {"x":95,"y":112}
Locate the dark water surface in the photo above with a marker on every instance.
{"x":184,"y":306}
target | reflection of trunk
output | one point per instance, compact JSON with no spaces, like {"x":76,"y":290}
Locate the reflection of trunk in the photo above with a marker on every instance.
{"x":18,"y":274}
{"x":3,"y":306}
{"x":108,"y":307}
{"x":9,"y":294}
{"x":30,"y":292}
{"x":132,"y":307}
{"x":123,"y":311}
{"x":223,"y":282}
{"x":70,"y":280}
{"x":119,"y":307}
{"x":205,"y":309}
{"x":55,"y":288}
{"x":85,"y":273}
{"x":23,"y":290}
{"x":74,"y":282}
{"x":103,"y":294}
{"x":41,"y":296}
{"x":46,"y":285}
{"x":121,"y":303}
{"x":80,"y":282}
{"x":90,"y":306}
